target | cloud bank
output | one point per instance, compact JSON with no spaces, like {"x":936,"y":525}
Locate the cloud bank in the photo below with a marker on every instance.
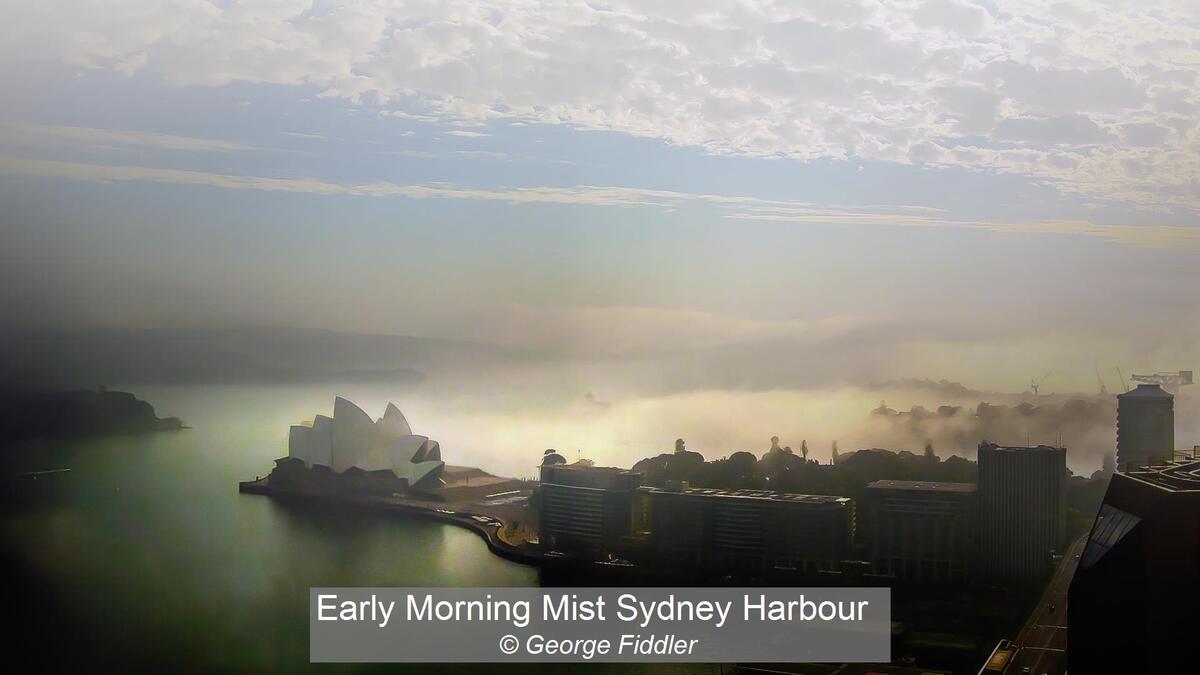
{"x":1098,"y":99}
{"x":1148,"y":236}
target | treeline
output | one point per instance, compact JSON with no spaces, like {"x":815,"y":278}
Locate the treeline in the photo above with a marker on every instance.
{"x":783,"y":470}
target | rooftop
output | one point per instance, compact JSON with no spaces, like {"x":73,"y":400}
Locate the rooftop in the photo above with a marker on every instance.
{"x":1019,"y":448}
{"x":590,"y":468}
{"x":767,"y":495}
{"x":1146,"y":391}
{"x":1176,"y":476}
{"x":922,"y":486}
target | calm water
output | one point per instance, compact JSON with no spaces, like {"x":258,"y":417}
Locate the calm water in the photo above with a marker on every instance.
{"x":145,"y":553}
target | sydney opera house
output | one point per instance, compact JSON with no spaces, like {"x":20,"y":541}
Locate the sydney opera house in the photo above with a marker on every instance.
{"x":350,"y":451}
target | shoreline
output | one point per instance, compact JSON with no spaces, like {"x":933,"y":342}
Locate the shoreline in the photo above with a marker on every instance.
{"x":489,"y":532}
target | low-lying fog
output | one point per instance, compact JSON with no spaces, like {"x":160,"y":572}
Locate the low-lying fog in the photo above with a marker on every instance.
{"x":504,"y":424}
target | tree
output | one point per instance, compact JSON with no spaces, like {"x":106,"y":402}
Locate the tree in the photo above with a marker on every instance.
{"x":929,"y":450}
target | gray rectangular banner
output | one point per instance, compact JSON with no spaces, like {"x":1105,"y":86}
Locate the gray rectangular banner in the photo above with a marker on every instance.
{"x":575,"y":625}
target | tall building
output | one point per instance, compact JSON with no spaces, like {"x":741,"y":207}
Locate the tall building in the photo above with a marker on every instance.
{"x":921,"y":532}
{"x":585,"y":508}
{"x":1022,"y":510}
{"x":1145,"y":427}
{"x":744,"y":531}
{"x":1133,"y":600}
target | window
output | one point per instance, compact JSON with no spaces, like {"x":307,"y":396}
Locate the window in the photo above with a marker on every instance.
{"x":1111,"y":525}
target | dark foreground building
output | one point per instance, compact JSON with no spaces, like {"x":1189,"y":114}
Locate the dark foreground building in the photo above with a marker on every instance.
{"x":585,"y":508}
{"x":921,"y":532}
{"x":1133,"y":602}
{"x":1022,"y":511}
{"x":744,"y":531}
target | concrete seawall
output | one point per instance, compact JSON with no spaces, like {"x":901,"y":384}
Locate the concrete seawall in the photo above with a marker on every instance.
{"x":490,"y":532}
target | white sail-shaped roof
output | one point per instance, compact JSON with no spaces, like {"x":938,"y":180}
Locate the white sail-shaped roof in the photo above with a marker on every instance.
{"x":299,"y":443}
{"x":393,"y":424}
{"x":404,"y":449}
{"x":354,"y":436}
{"x":429,"y":450}
{"x":320,"y":442}
{"x":350,"y":439}
{"x":420,"y":472}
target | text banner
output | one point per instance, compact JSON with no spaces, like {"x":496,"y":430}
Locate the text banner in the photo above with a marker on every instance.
{"x":488,"y":625}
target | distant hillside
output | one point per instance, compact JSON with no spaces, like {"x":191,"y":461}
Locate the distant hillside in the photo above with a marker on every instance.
{"x":84,"y":358}
{"x":77,"y":413}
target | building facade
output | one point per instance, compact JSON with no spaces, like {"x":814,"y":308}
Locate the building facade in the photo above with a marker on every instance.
{"x":1133,"y":599}
{"x":1022,"y":511}
{"x":744,"y":531}
{"x":1145,"y":427}
{"x":921,"y":532}
{"x":585,"y":509}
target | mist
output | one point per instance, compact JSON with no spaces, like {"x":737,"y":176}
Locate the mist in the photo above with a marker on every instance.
{"x":499,"y":406}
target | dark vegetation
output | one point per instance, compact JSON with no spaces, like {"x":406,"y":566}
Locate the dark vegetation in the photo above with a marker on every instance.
{"x":783,"y":470}
{"x":26,"y":414}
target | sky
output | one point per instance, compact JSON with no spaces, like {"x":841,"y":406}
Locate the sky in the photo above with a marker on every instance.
{"x":977,"y":191}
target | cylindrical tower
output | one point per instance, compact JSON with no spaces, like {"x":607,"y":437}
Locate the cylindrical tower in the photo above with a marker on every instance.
{"x":1145,"y":427}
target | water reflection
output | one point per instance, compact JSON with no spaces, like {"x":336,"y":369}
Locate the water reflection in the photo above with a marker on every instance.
{"x":144,"y":556}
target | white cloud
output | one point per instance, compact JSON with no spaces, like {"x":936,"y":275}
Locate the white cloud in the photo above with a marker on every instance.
{"x":1068,"y":130}
{"x":751,"y":208}
{"x":959,"y":17}
{"x":869,"y":80}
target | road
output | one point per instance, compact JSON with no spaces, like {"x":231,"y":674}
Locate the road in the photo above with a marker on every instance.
{"x":1042,"y":641}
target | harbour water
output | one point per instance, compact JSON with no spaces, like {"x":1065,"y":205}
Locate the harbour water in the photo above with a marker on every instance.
{"x":145,"y":554}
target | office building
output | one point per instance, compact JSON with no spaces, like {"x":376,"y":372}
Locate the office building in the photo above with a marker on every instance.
{"x":585,"y":508}
{"x":921,"y":532}
{"x":1133,"y":600}
{"x":1022,"y":511}
{"x":1145,"y":427}
{"x":744,"y":531}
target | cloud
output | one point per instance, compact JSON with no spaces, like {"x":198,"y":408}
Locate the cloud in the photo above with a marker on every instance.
{"x":751,"y":208}
{"x":867,"y":80}
{"x":115,"y":138}
{"x":1051,"y":131}
{"x":1147,"y":236}
{"x":957,"y":17}
{"x":467,"y":134}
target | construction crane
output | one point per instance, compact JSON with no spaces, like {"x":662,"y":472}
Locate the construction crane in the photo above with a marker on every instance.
{"x":1103,"y":389}
{"x":1169,"y":381}
{"x":1124,"y":385}
{"x":1035,"y":385}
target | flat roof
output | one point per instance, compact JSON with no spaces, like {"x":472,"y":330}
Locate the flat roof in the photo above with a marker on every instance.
{"x":590,"y":468}
{"x":768,"y":495}
{"x":1176,"y":476}
{"x":991,"y":447}
{"x":923,"y":486}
